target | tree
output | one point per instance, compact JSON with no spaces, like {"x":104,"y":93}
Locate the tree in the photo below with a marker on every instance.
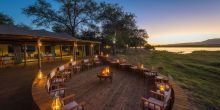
{"x":116,"y":24}
{"x":69,"y":17}
{"x":5,"y":19}
{"x":139,"y":38}
{"x":24,"y":26}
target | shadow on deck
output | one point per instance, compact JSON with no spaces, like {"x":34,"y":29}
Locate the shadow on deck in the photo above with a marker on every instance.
{"x":16,"y":83}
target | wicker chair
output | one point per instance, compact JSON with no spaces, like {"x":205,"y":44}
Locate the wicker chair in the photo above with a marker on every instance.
{"x":70,"y":104}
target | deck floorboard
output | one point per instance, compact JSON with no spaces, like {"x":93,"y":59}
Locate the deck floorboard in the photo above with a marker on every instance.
{"x":123,"y":93}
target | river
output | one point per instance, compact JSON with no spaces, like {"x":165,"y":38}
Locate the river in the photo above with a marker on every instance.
{"x":186,"y":50}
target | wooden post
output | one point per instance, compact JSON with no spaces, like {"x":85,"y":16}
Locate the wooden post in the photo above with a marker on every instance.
{"x":91,"y":50}
{"x":99,"y":49}
{"x":25,"y":54}
{"x":73,"y":52}
{"x":39,"y":53}
{"x":61,"y":54}
{"x":84,"y":51}
{"x":75,"y":49}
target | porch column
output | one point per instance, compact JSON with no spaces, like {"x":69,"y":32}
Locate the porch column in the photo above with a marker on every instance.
{"x":99,"y":49}
{"x":61,"y":54}
{"x":91,"y":49}
{"x":84,"y":51}
{"x":25,"y":54}
{"x":39,"y":44}
{"x":75,"y":49}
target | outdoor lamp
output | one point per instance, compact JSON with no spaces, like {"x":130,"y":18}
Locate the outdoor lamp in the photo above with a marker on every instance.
{"x":162,"y":88}
{"x":40,"y":75}
{"x":91,"y":45}
{"x":117,"y":61}
{"x":114,"y":40}
{"x":39,"y":43}
{"x":96,"y":56}
{"x":142,"y":66}
{"x":75,"y":44}
{"x":126,"y":45}
{"x":71,"y":59}
{"x":56,"y":104}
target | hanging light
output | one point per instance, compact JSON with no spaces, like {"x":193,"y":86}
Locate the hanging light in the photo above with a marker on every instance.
{"x":91,"y":45}
{"x":75,"y":44}
{"x":39,"y":43}
{"x":142,"y":66}
{"x":56,"y":104}
{"x":40,"y":75}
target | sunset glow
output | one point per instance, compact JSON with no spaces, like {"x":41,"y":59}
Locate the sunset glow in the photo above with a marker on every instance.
{"x":167,"y":21}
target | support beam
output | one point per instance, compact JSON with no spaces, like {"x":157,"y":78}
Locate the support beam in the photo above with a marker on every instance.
{"x":84,"y":51}
{"x":25,"y":54}
{"x":75,"y":50}
{"x":91,"y":50}
{"x":61,"y":53}
{"x":99,"y":49}
{"x":39,"y":44}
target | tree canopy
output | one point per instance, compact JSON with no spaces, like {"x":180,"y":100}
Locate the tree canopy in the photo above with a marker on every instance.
{"x":89,"y":19}
{"x":5,"y":19}
{"x":69,"y":17}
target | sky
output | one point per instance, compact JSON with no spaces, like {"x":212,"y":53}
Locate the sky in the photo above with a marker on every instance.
{"x":166,"y":21}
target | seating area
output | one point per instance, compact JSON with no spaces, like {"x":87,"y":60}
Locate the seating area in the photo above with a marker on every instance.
{"x":62,"y":83}
{"x":6,"y":61}
{"x":161,"y":94}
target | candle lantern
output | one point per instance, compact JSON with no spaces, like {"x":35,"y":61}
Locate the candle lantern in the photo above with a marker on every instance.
{"x":56,"y":104}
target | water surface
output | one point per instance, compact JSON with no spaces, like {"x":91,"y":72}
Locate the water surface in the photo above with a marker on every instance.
{"x":186,"y":50}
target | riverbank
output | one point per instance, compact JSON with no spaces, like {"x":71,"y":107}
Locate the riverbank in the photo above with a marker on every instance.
{"x":198,"y":73}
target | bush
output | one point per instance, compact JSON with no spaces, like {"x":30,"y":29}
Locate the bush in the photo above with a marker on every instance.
{"x":149,"y":47}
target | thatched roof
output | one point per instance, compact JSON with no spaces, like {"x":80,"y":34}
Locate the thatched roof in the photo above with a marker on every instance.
{"x":19,"y":31}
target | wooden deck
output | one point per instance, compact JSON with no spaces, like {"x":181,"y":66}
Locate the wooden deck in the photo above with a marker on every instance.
{"x":16,"y":83}
{"x":123,"y":93}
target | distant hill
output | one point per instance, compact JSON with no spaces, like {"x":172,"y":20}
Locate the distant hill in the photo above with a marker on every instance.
{"x":209,"y":42}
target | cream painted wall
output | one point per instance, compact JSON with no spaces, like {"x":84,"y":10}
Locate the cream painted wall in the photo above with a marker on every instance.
{"x":4,"y":48}
{"x":57,"y":50}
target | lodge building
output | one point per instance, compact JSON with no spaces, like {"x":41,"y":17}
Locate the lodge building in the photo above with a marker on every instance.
{"x":20,"y":45}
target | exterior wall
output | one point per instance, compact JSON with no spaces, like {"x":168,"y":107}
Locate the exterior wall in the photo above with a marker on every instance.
{"x":42,"y":49}
{"x":4,"y":49}
{"x":80,"y":51}
{"x":57,"y":50}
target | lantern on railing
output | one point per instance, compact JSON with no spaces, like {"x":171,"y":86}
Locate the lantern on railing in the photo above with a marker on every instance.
{"x":71,"y":60}
{"x":92,"y":45}
{"x":142,"y":66}
{"x":117,"y":61}
{"x":40,"y":75}
{"x":162,"y":88}
{"x":107,"y":55}
{"x":56,"y":104}
{"x":96,"y":56}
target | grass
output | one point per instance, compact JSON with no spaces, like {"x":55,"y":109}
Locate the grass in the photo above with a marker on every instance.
{"x":198,"y":73}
